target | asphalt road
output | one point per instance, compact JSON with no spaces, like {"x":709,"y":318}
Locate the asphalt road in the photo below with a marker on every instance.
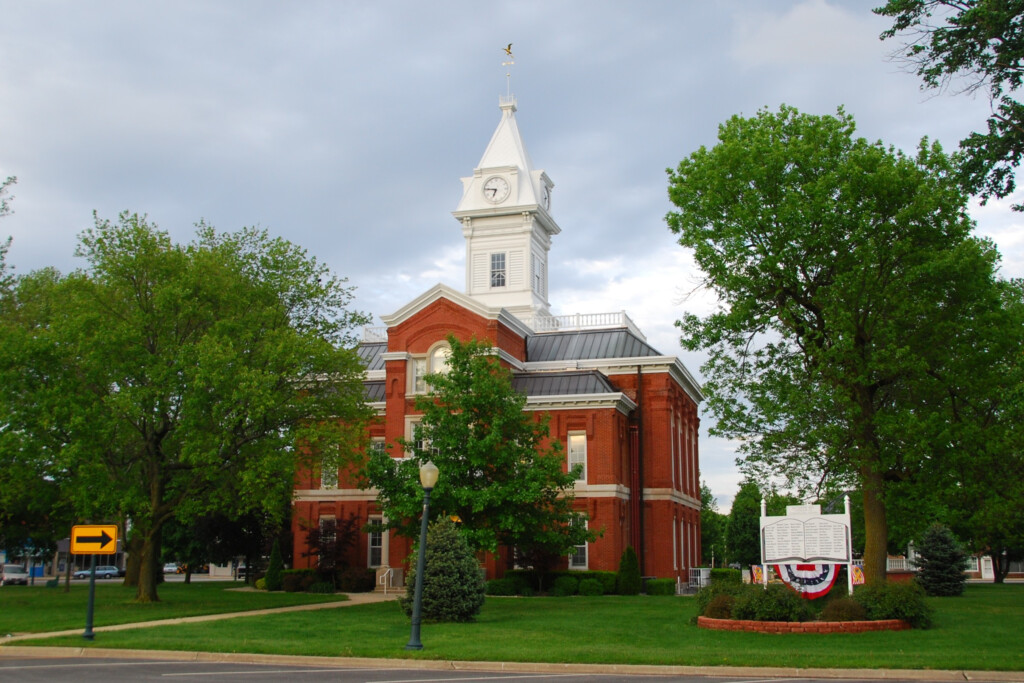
{"x":89,"y":670}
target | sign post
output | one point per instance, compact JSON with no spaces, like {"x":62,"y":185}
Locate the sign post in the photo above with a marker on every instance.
{"x":807,"y":537}
{"x":93,"y":540}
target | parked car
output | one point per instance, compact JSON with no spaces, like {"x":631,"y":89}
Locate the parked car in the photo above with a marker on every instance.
{"x":106,"y":571}
{"x":172,"y":568}
{"x":13,"y":574}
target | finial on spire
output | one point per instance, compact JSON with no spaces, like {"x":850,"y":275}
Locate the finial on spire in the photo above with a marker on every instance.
{"x":508,"y":74}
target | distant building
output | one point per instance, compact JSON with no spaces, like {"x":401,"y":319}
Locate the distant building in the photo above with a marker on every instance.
{"x":623,"y":410}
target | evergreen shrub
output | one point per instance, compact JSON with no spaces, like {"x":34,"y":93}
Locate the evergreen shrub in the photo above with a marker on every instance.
{"x":272,"y":580}
{"x":720,"y":607}
{"x":895,"y":601}
{"x":565,"y":586}
{"x":320,"y":587}
{"x":261,"y":584}
{"x":774,"y":603}
{"x":504,"y":586}
{"x":708,"y":593}
{"x":660,"y":587}
{"x":940,"y":563}
{"x":355,"y":580}
{"x":844,"y":609}
{"x":629,"y":582}
{"x":297,"y":580}
{"x":591,"y":587}
{"x":453,"y":585}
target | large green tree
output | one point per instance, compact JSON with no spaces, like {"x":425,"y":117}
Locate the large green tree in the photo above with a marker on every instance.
{"x":167,"y":380}
{"x":712,"y":528}
{"x":500,"y":473}
{"x":972,"y":45}
{"x":849,"y":287}
{"x":743,"y":530}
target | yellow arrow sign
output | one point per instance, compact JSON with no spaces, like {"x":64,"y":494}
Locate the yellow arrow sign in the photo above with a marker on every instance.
{"x":94,"y":539}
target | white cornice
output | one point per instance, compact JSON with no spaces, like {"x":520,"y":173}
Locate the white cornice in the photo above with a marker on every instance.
{"x":617,"y":400}
{"x":376,"y":375}
{"x":672,"y":496}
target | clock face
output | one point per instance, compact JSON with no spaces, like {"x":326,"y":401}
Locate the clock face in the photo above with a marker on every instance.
{"x":496,"y":189}
{"x":545,"y":196}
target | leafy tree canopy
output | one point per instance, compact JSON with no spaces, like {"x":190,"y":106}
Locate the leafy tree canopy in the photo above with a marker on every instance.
{"x":978,"y":44}
{"x":500,"y":473}
{"x":851,"y":294}
{"x":168,"y":380}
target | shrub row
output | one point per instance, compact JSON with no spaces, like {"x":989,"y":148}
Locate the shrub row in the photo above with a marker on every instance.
{"x":562,"y":583}
{"x":349,"y":580}
{"x":726,"y":600}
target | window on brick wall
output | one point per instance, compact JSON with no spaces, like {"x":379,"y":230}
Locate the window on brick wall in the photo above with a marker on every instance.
{"x":577,"y":449}
{"x":578,"y":557}
{"x":375,"y":542}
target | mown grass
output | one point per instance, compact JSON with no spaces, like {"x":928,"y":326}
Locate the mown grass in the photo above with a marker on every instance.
{"x":982,"y":630}
{"x":36,"y":609}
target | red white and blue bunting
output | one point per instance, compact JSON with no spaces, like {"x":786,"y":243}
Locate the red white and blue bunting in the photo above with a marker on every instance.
{"x":811,"y":581}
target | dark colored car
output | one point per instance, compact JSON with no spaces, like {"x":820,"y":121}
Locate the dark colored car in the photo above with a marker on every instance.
{"x":102,"y":572}
{"x":13,"y":574}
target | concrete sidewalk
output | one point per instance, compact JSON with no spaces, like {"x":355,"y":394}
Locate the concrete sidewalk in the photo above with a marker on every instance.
{"x":353,"y":599}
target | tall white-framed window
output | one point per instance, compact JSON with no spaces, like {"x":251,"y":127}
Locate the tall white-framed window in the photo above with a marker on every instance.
{"x":377,"y":444}
{"x":328,"y":474}
{"x":498,"y":272}
{"x":578,"y":557}
{"x":577,"y":448}
{"x":412,"y":436}
{"x":418,"y":375}
{"x":674,"y":564}
{"x":375,"y":542}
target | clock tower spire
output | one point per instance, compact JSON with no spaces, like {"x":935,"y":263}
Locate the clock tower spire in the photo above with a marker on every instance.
{"x":506,"y":220}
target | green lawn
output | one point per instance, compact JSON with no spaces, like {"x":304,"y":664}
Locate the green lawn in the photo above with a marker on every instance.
{"x":984,"y":629}
{"x":36,"y":609}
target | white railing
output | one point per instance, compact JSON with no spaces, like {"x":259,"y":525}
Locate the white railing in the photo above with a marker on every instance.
{"x":699,"y":577}
{"x":584,"y":321}
{"x":375,"y":334}
{"x":385,"y":579}
{"x":894,"y":564}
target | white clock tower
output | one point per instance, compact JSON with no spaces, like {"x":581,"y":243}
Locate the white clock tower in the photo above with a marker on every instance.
{"x":505,"y":219}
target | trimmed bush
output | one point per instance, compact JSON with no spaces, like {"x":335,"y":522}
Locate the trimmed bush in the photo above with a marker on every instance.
{"x":895,"y":601}
{"x":505,"y":586}
{"x":707,"y":594}
{"x":261,"y":584}
{"x":355,"y":580}
{"x":660,"y":587}
{"x":453,"y":585}
{"x":591,"y":587}
{"x":297,"y":580}
{"x":726,"y":575}
{"x":320,"y":587}
{"x":774,"y":603}
{"x":844,"y":609}
{"x":628,"y":582}
{"x":565,"y":586}
{"x":940,"y":563}
{"x":720,"y":607}
{"x":272,"y":580}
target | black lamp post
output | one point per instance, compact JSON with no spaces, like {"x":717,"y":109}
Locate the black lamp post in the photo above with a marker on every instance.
{"x":428,"y":478}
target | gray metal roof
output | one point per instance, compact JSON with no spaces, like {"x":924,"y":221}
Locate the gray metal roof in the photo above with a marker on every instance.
{"x":371,"y":354}
{"x":374,"y":391}
{"x":561,"y":383}
{"x":586,"y":345}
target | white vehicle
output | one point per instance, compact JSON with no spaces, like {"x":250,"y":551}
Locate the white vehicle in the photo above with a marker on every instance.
{"x":13,"y":574}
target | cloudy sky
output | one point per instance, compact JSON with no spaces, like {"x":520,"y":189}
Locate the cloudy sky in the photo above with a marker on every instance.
{"x":345,"y":127}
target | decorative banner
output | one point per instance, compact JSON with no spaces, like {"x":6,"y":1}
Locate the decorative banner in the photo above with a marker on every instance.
{"x":811,"y":581}
{"x":756,"y":574}
{"x":858,"y":575}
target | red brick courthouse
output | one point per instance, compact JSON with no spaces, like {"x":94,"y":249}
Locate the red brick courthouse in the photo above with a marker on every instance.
{"x":625,"y":411}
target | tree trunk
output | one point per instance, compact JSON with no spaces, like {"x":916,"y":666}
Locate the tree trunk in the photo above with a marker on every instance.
{"x":149,"y":567}
{"x":876,"y":528}
{"x":133,"y":561}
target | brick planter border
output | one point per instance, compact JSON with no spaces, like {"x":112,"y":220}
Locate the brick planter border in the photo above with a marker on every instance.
{"x":802,"y":626}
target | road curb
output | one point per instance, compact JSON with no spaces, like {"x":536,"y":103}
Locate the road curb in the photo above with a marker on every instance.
{"x":940,"y":676}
